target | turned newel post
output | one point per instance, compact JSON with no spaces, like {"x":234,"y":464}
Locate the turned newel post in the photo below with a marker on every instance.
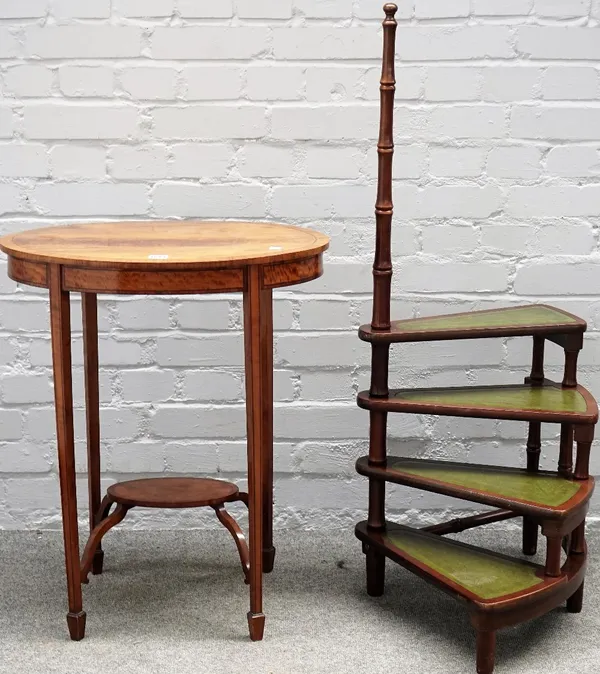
{"x":382,"y":267}
{"x":382,"y":283}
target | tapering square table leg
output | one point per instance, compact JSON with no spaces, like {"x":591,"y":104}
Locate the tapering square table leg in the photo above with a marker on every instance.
{"x":266,"y":345}
{"x":60,"y":321}
{"x":92,"y":409}
{"x":257,"y":326}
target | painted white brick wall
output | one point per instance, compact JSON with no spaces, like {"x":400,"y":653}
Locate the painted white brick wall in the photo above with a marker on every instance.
{"x":269,"y":109}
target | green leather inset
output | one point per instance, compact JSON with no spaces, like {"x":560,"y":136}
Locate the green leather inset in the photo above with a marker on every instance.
{"x":522,"y":397}
{"x":482,"y":573}
{"x":535,"y":316}
{"x":544,"y":490}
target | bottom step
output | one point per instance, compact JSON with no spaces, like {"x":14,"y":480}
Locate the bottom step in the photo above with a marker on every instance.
{"x":489,"y":581}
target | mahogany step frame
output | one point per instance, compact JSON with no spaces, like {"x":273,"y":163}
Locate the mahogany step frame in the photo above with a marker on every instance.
{"x":389,"y":403}
{"x":573,"y":510}
{"x":551,"y":331}
{"x":486,"y":616}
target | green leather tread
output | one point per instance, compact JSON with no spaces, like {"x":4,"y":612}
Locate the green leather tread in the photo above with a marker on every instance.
{"x":549,"y":398}
{"x":534,"y":316}
{"x":484,"y":574}
{"x":544,"y":490}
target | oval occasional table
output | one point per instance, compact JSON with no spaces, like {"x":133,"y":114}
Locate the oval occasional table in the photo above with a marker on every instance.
{"x":153,"y":258}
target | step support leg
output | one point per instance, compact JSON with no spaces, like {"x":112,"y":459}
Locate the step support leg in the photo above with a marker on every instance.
{"x":486,"y":651}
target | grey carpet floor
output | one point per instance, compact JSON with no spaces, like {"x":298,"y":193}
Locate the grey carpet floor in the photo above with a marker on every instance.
{"x":174,"y":603}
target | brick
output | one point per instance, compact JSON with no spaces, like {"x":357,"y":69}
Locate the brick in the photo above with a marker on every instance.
{"x":138,"y":457}
{"x":117,"y":424}
{"x":561,"y":238}
{"x":67,"y":9}
{"x":144,"y":8}
{"x":24,"y":9}
{"x":321,"y":201}
{"x":333,"y":162}
{"x":559,"y":42}
{"x":32,"y":494}
{"x":564,"y":123}
{"x":324,"y":9}
{"x":283,"y":315}
{"x":448,"y":201}
{"x":83,"y":41}
{"x":91,"y":199}
{"x":29,"y":80}
{"x":19,"y":458}
{"x":216,"y":83}
{"x":11,"y":423}
{"x":571,"y":83}
{"x":9,"y":44}
{"x":72,"y":162}
{"x":194,"y":351}
{"x":210,"y":123}
{"x":265,"y":9}
{"x":135,"y":163}
{"x":113,"y":352}
{"x":10,"y":199}
{"x":468,"y":121}
{"x":209,"y":201}
{"x":448,"y":239}
{"x":453,"y":43}
{"x":31,"y":316}
{"x":86,"y":81}
{"x":212,"y":385}
{"x":440,"y":9}
{"x":452,"y":84}
{"x":321,"y":42}
{"x":23,"y":161}
{"x":272,"y":83}
{"x":209,"y":42}
{"x":459,"y":162}
{"x":75,"y":121}
{"x":502,"y":7}
{"x":323,"y":350}
{"x":144,"y":314}
{"x":372,"y":9}
{"x":205,"y":9}
{"x":198,"y":456}
{"x":266,"y":161}
{"x":514,"y":162}
{"x":515,"y":83}
{"x":573,"y":161}
{"x":327,"y":386}
{"x":453,"y":277}
{"x":337,"y":421}
{"x":27,"y":389}
{"x":194,"y":421}
{"x":324,"y":123}
{"x":553,"y":200}
{"x":562,"y":9}
{"x":332,"y":84}
{"x":202,"y":314}
{"x":325,"y":315}
{"x":147,"y":385}
{"x":150,"y":84}
{"x":541,"y":279}
{"x":200,"y":160}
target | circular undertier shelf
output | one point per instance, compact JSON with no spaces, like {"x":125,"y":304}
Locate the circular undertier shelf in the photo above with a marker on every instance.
{"x":173,"y":492}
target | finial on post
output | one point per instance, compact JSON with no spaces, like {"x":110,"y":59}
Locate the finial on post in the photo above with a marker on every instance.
{"x":390,"y":10}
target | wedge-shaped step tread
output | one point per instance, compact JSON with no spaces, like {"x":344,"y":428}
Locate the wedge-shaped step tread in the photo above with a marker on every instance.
{"x":544,"y":494}
{"x":478,"y":575}
{"x":537,"y":319}
{"x":549,"y":402}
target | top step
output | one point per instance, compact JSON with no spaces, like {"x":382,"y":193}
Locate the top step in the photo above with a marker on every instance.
{"x":535,"y":319}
